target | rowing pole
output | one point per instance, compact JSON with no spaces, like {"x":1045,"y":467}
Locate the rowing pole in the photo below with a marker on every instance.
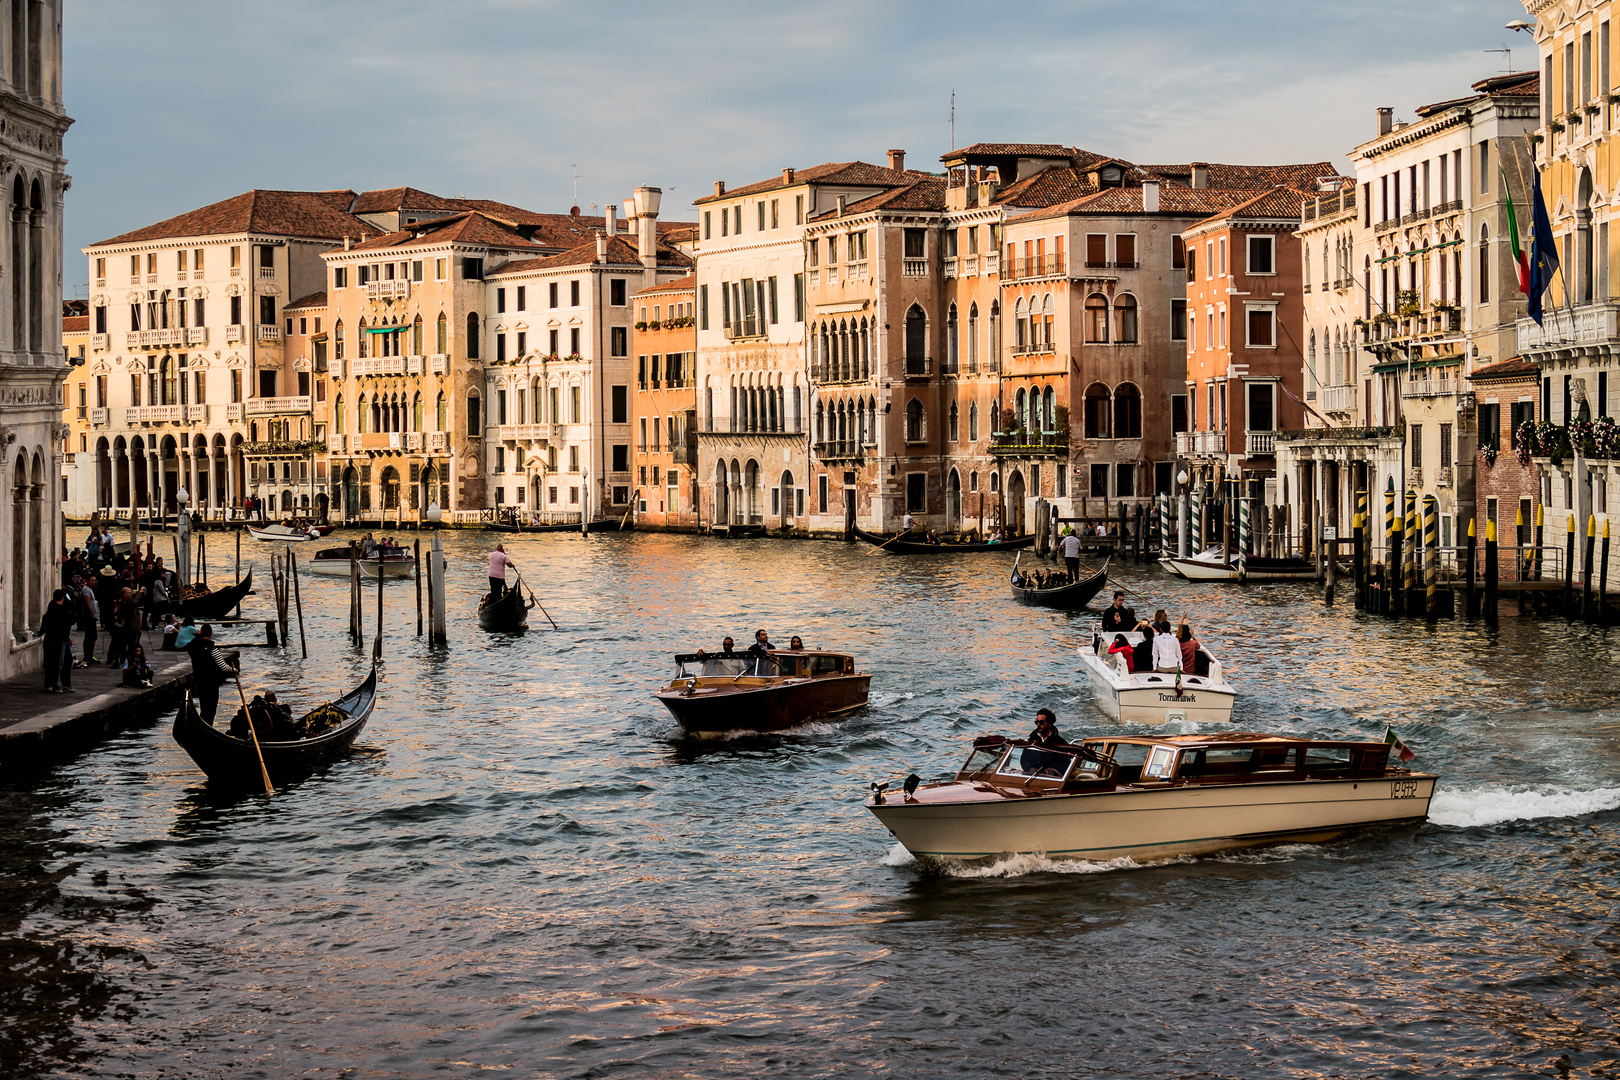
{"x":536,"y":600}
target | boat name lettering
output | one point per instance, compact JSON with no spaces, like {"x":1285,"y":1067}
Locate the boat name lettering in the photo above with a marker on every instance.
{"x":1178,"y":697}
{"x":1403,"y":789}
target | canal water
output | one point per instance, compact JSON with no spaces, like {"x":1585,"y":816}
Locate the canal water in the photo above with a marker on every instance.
{"x":524,"y":872}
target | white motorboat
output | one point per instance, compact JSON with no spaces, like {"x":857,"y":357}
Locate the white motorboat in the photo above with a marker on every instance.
{"x":390,"y":562}
{"x":1209,"y":566}
{"x":1156,"y":697}
{"x":1151,"y":798}
{"x":292,"y":534}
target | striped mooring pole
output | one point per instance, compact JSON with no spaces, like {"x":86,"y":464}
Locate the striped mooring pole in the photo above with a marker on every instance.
{"x":1431,"y":558}
{"x":1243,"y":538}
{"x":1392,"y":553}
{"x":1164,"y":524}
{"x":1197,"y":519}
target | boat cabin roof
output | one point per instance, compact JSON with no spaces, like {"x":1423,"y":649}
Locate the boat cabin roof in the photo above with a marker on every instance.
{"x":688,"y":658}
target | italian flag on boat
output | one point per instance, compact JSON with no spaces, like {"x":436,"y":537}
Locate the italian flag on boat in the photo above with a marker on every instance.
{"x":1403,"y":751}
{"x":1521,"y":258}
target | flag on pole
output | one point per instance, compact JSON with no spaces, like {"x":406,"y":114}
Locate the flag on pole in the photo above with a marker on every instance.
{"x":1521,"y":260}
{"x":1402,"y":751}
{"x":1543,"y":249}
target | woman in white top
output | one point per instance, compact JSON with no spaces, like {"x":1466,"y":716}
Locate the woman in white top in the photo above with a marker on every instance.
{"x":1166,"y":653}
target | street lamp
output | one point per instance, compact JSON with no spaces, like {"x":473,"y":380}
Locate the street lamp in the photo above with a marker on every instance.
{"x":1181,"y":477}
{"x":1520,"y":24}
{"x":182,"y":533}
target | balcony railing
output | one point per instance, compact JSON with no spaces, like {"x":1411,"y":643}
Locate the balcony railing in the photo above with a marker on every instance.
{"x":380,"y":365}
{"x":233,"y":413}
{"x":1036,"y":347}
{"x":197,"y":413}
{"x":919,"y":366}
{"x":413,"y":441}
{"x":745,"y":328}
{"x":267,"y":273}
{"x":269,"y":333}
{"x":1261,"y":443}
{"x":98,"y":341}
{"x":1421,"y":388}
{"x":838,"y":449}
{"x":196,"y":335}
{"x":147,"y":338}
{"x":1030,"y":444}
{"x":1043,"y":266}
{"x":1192,"y":443}
{"x":992,"y":263}
{"x":438,"y":441}
{"x":98,"y":416}
{"x":234,"y":334}
{"x":146,"y":414}
{"x":523,"y":432}
{"x":337,"y":444}
{"x":413,"y":365}
{"x":1338,"y":399}
{"x":439,"y":363}
{"x":1564,"y":328}
{"x":266,"y":406}
{"x":685,"y":453}
{"x":914,"y":267}
{"x":388,"y":290}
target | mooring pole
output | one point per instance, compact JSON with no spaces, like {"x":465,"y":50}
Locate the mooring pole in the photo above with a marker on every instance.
{"x":1471,"y":607}
{"x":238,"y":561}
{"x":376,"y":645}
{"x":1586,"y":569}
{"x":418,"y":547}
{"x":1569,"y":569}
{"x":1490,"y":573}
{"x":298,"y":599}
{"x":1392,"y":555}
{"x":1540,"y":538}
{"x":1431,"y":558}
{"x":1361,"y":549}
{"x":1603,"y":579}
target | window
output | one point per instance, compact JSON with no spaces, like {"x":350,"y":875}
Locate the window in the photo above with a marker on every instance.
{"x":798,"y":219}
{"x":1262,"y":407}
{"x":340,"y":277}
{"x":619,"y":340}
{"x":573,"y":341}
{"x":267,"y":311}
{"x":621,"y":404}
{"x":1490,"y":427}
{"x":703,"y":307}
{"x":573,"y":294}
{"x":1124,"y":321}
{"x":552,"y":290}
{"x":1262,"y":327}
{"x":914,"y":421}
{"x":1178,"y":320}
{"x":1485,"y":264}
{"x":1262,"y":255}
{"x":1222,"y":243}
{"x":1127,"y":413}
{"x":1125,"y":480}
{"x":708,"y":229}
{"x":798,"y":298}
{"x":1445,"y":446}
{"x":915,"y":243}
{"x":617,"y":296}
{"x":916,"y":493}
{"x":1414,"y":435}
{"x":500,"y":300}
{"x":1178,"y":253}
{"x":1125,"y":250}
{"x":621,"y":457}
{"x":573,"y":405}
{"x":1096,"y":318}
{"x":762,"y":215}
{"x":472,"y":335}
{"x":1099,"y":481}
{"x":522,"y":295}
{"x":472,"y":269}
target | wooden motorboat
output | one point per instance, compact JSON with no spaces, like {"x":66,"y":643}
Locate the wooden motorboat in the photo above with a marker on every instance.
{"x":1209,"y":566}
{"x":744,"y":692}
{"x":391,"y":562}
{"x":1070,"y":596}
{"x":232,"y":761}
{"x":217,"y":604}
{"x":1155,"y":697}
{"x":292,"y":534}
{"x":507,"y":612}
{"x":1151,"y":798}
{"x":903,"y":545}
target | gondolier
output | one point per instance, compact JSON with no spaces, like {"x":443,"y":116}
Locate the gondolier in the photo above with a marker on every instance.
{"x":1070,"y":544}
{"x":211,"y":669}
{"x":498,"y":562}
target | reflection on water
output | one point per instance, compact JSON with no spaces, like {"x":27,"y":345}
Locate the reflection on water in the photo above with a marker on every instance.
{"x":524,"y":868}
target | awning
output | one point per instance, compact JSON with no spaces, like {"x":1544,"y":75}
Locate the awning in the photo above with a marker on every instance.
{"x":385,"y":329}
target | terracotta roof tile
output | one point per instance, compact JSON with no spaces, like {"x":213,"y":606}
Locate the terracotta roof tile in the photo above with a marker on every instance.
{"x":1047,"y":188}
{"x":313,"y":300}
{"x":1000,"y":149}
{"x":321,"y":215}
{"x":927,"y":193}
{"x":684,"y":284}
{"x":1507,"y":369}
{"x":400,"y":198}
{"x":76,"y":324}
{"x":470,"y":227}
{"x":854,"y":173}
{"x":1245,"y":176}
{"x":621,"y":251}
{"x":1174,"y":201}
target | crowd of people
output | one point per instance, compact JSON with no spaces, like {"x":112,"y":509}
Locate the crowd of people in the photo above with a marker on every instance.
{"x":1164,"y":646}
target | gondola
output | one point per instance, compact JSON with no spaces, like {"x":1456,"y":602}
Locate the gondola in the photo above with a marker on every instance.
{"x":900,"y":546}
{"x":506,"y":613}
{"x":1070,"y":597}
{"x":217,"y":604}
{"x":599,"y":525}
{"x":233,"y":762}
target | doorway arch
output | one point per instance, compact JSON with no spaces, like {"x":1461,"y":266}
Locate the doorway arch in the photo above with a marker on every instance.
{"x":1015,"y":504}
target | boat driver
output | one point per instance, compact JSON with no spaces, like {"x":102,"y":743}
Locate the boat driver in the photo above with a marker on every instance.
{"x":725,"y":648}
{"x":1118,"y":617}
{"x":1046,"y":732}
{"x":1036,"y":761}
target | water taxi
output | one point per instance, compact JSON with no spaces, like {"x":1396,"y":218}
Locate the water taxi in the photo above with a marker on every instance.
{"x":387,"y":560}
{"x":1155,"y":697}
{"x":1211,"y":566}
{"x":1150,"y":798}
{"x":717,"y":692}
{"x":293,"y":532}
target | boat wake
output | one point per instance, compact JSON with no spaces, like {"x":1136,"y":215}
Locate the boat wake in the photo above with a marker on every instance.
{"x":1494,"y":806}
{"x":1020,"y":865}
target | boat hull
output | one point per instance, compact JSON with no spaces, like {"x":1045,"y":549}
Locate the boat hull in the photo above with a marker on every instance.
{"x":217,"y":604}
{"x":1155,"y":823}
{"x":1151,"y":697}
{"x":1064,"y":598}
{"x":896,"y":546}
{"x":1257,"y":569}
{"x":508,"y":615}
{"x":712,"y":710}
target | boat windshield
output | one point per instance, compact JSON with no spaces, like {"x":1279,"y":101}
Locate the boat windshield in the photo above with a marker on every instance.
{"x":1034,"y":761}
{"x":983,"y":759}
{"x":724,"y":665}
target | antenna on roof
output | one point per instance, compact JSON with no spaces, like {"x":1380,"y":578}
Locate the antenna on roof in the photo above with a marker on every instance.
{"x":953,"y":119}
{"x":576,"y":183}
{"x":1509,"y":52}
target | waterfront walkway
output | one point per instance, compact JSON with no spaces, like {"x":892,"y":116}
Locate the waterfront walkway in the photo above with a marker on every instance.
{"x":33,"y":722}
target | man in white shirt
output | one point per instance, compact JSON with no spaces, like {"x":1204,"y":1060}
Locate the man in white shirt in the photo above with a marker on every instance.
{"x":1166,"y":653}
{"x":1070,"y":546}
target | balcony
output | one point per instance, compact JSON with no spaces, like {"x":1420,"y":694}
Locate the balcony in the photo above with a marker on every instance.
{"x":398,"y":289}
{"x":1032,"y":349}
{"x":438,"y":441}
{"x":413,"y":365}
{"x":1338,"y":399}
{"x":1442,"y":476}
{"x":524,"y":432}
{"x":337,"y":444}
{"x":685,"y":453}
{"x":1201,"y":443}
{"x":268,"y":406}
{"x":745,"y":328}
{"x":1045,"y":266}
{"x":267,"y":273}
{"x":197,"y":414}
{"x":234,"y":334}
{"x":99,"y":416}
{"x":1261,"y":443}
{"x":1423,"y":388}
{"x":197,"y":335}
{"x":839,"y":450}
{"x":233,"y":414}
{"x":413,"y":441}
{"x":970,"y":266}
{"x":949,"y":268}
{"x":269,"y":333}
{"x":914,"y":267}
{"x":992,"y":263}
{"x":147,"y":414}
{"x":99,"y":341}
{"x":439,"y":363}
{"x":1564,"y":331}
{"x":146,"y":339}
{"x":1026,"y":444}
{"x":919,"y":367}
{"x":855,"y":271}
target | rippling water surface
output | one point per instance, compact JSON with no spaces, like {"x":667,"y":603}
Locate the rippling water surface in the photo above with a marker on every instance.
{"x":524,"y":871}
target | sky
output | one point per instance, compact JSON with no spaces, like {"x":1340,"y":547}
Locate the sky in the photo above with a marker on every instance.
{"x":179,"y":103}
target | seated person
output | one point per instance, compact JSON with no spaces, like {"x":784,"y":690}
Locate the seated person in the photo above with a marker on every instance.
{"x":1142,"y":658}
{"x":171,"y":632}
{"x":1122,"y":650}
{"x":1036,"y":761}
{"x":188,"y":631}
{"x":137,"y":672}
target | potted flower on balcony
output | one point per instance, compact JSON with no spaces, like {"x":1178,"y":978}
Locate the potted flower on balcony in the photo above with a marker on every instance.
{"x":641,"y":325}
{"x":1554,"y":126}
{"x":655,"y":324}
{"x":1488,"y":454}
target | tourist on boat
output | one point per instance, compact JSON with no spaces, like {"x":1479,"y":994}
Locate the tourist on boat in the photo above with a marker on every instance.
{"x":795,"y":644}
{"x":1046,"y":732}
{"x":760,"y":649}
{"x":1161,"y":621}
{"x":1166,"y":653}
{"x":368,"y":546}
{"x":498,"y":562}
{"x":282,"y":728}
{"x":995,"y":535}
{"x":1189,"y":650}
{"x":906,"y":523}
{"x":1142,"y":656}
{"x":1070,"y":546}
{"x":1119,"y":617}
{"x":725,"y":648}
{"x":211,"y":669}
{"x":137,"y":672}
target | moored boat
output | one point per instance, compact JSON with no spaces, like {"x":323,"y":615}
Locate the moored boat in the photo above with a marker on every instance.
{"x":391,"y":562}
{"x":1209,"y":566}
{"x":1069,"y":596}
{"x":913,"y":544}
{"x":216,"y":604}
{"x":1151,"y":798}
{"x":507,"y":612}
{"x":292,"y":534}
{"x":1156,"y":697}
{"x":233,"y":761}
{"x":746,"y":692}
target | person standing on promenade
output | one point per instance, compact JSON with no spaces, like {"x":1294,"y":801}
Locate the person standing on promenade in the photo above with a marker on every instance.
{"x":56,"y":627}
{"x":88,"y":613}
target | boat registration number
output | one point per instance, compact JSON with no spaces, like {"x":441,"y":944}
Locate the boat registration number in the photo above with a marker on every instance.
{"x":1403,"y":789}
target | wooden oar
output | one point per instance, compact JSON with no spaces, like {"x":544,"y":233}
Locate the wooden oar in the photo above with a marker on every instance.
{"x":887,"y":542}
{"x":536,"y":600}
{"x":269,"y":789}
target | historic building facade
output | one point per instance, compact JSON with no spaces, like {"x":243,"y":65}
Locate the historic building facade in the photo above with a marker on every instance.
{"x":664,"y":406}
{"x":33,"y":181}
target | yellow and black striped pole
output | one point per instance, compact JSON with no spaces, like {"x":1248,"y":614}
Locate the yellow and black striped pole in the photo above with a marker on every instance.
{"x":1540,"y":525}
{"x":1431,"y":558}
{"x":1409,"y":570}
{"x":1490,"y":573}
{"x":1603,"y":578}
{"x":1587,"y":613}
{"x":1471,"y":602}
{"x":1360,"y":538}
{"x":1569,"y":569}
{"x":1392,"y":554}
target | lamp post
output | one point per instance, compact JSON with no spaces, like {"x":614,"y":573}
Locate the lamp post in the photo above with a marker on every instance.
{"x":183,"y":535}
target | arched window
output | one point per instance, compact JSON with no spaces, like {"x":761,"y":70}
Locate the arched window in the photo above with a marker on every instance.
{"x":1096,"y":318}
{"x":995,"y":335}
{"x":1484,"y":265}
{"x":169,"y":392}
{"x":973,"y":338}
{"x":416,"y":412}
{"x":472,"y":335}
{"x":821,"y":422}
{"x":1020,"y":326}
{"x":474,"y":418}
{"x":916,"y":341}
{"x":441,"y":413}
{"x":1125,"y":319}
{"x":951,"y":355}
{"x":973,"y":422}
{"x":1048,"y":319}
{"x":362,"y":345}
{"x":1098,"y":408}
{"x":1019,"y":409}
{"x":1048,"y":420}
{"x":416,"y":336}
{"x":914,"y":421}
{"x":955,"y":430}
{"x":443,"y":336}
{"x":337,"y":339}
{"x":361,"y":416}
{"x":1127,"y":411}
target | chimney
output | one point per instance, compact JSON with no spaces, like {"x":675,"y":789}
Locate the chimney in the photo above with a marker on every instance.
{"x":646,"y":200}
{"x":348,"y":243}
{"x":1200,"y":174}
{"x":610,"y":223}
{"x":1386,"y":120}
{"x":1150,"y":196}
{"x":719,"y":187}
{"x":897,"y":160}
{"x":787,"y":176}
{"x":601,"y":247}
{"x":841,"y":205}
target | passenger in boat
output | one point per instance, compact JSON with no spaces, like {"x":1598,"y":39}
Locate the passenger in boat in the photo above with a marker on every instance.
{"x":1046,"y":732}
{"x":282,"y":728}
{"x":1161,"y":621}
{"x":725,"y":649}
{"x":1121,"y":645}
{"x":762,"y":645}
{"x":1166,"y":653}
{"x":1119,"y":617}
{"x":1189,"y":650}
{"x":498,"y":562}
{"x":1142,"y":657}
{"x":795,"y":644}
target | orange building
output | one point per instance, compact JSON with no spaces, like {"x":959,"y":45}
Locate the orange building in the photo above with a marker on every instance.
{"x":1244,"y":324}
{"x":664,"y":406}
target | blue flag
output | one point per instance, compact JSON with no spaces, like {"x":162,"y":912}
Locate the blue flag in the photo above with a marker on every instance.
{"x":1543,"y":249}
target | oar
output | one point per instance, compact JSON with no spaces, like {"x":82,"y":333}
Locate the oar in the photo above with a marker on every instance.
{"x":536,"y":600}
{"x":269,"y":789}
{"x":887,"y":542}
